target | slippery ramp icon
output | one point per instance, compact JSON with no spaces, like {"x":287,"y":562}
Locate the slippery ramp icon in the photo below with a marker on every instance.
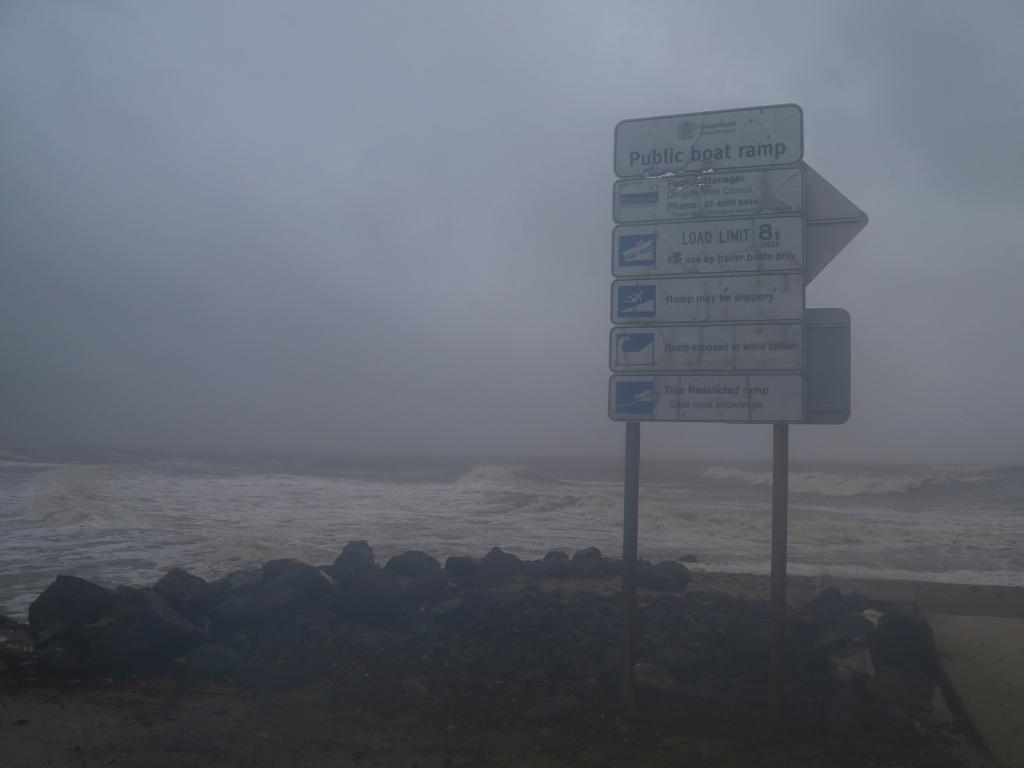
{"x":636,"y":301}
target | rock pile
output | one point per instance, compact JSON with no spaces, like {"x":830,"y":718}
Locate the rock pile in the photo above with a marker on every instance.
{"x":485,"y":633}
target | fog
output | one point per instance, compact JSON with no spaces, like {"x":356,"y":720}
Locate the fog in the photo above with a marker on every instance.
{"x":386,"y":227}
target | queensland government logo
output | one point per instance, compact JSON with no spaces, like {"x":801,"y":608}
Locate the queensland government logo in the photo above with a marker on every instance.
{"x":686,"y":130}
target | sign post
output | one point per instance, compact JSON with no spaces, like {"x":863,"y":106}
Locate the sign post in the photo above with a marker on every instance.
{"x":630,"y":532}
{"x":780,"y":516}
{"x":722,"y":227}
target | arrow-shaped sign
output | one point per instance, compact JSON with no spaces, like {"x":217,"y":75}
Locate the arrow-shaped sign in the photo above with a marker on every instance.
{"x":831,"y":221}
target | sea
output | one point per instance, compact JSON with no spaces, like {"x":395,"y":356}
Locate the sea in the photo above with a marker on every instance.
{"x":126,"y":518}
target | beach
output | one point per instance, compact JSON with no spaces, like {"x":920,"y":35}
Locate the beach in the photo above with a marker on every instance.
{"x":527,"y":676}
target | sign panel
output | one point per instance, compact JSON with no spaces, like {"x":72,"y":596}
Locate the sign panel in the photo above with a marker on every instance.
{"x":685,"y":348}
{"x":735,"y":138}
{"x":832,"y":222}
{"x":827,"y":368}
{"x":767,"y":244}
{"x":722,"y":299}
{"x":757,"y":192}
{"x":775,"y":398}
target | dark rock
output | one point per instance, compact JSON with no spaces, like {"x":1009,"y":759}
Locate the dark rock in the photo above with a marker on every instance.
{"x":414,"y":564}
{"x":269,"y":603}
{"x":66,"y":658}
{"x":430,"y":589}
{"x":831,"y":605}
{"x":213,"y":660}
{"x":356,"y":559}
{"x":189,"y":595}
{"x":553,"y":707}
{"x":850,"y":662}
{"x":16,"y":645}
{"x":903,"y":639}
{"x":453,"y":611}
{"x":840,"y":633}
{"x":498,"y":567}
{"x":297,"y":575}
{"x":556,"y":565}
{"x":588,"y":562}
{"x":376,"y":597}
{"x":69,"y":601}
{"x":237,"y":583}
{"x":271,"y":569}
{"x":138,"y":630}
{"x":666,"y":575}
{"x":461,"y":567}
{"x":652,"y":677}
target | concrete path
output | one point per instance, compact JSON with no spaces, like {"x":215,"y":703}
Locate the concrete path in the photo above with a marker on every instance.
{"x":983,"y":657}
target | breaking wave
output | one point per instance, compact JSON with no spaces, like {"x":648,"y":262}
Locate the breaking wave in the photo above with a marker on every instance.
{"x":491,"y":475}
{"x":826,"y":484}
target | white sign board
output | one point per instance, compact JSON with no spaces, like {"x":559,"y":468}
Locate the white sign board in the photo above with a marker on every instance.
{"x":735,"y":138}
{"x":722,"y":299}
{"x":685,"y":348}
{"x":768,"y":244}
{"x":776,"y":398}
{"x":709,"y":195}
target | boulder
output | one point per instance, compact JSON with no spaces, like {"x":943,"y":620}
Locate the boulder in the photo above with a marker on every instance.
{"x":498,"y":567}
{"x":138,"y":630}
{"x":189,"y":595}
{"x":451,"y":611}
{"x":461,"y":567}
{"x":356,"y":559}
{"x":297,"y":575}
{"x":831,"y":605}
{"x":237,"y":583}
{"x":903,"y":639}
{"x":271,"y":569}
{"x":69,"y":601}
{"x":66,"y":658}
{"x":556,"y":565}
{"x":414,"y":564}
{"x":588,"y":562}
{"x":430,"y":589}
{"x":269,"y":603}
{"x":666,"y":575}
{"x":16,"y":645}
{"x":376,"y":597}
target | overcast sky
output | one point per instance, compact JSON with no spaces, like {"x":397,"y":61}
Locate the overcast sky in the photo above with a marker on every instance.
{"x":385,"y":226}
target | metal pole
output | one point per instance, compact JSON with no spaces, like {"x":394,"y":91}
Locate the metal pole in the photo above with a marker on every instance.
{"x":630,"y":525}
{"x":780,"y":504}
